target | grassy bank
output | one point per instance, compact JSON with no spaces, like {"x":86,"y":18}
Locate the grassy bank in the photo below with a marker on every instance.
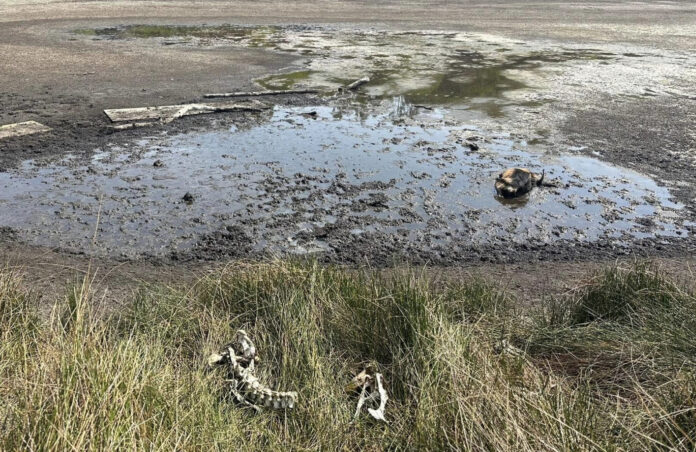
{"x":609,"y":366}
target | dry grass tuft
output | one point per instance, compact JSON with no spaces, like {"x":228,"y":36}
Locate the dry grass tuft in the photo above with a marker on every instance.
{"x":609,"y":367}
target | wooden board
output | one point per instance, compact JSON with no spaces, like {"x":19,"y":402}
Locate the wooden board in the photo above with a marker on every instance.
{"x":262,"y":93}
{"x":170,"y":112}
{"x":22,"y":128}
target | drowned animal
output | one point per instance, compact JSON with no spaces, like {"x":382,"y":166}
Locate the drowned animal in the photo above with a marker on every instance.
{"x":515,"y":182}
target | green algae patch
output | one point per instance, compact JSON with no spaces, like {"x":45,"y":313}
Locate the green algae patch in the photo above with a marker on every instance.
{"x":284,"y":81}
{"x":257,"y":36}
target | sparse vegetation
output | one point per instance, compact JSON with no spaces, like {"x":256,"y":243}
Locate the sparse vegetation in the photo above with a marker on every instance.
{"x":610,"y":366}
{"x":226,"y":31}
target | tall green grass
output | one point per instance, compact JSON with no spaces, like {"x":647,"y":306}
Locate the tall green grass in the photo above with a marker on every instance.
{"x":607,"y":367}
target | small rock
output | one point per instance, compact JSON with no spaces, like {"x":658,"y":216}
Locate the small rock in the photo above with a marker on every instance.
{"x":310,"y":114}
{"x":188,"y":198}
{"x":158,"y":163}
{"x":473,"y":146}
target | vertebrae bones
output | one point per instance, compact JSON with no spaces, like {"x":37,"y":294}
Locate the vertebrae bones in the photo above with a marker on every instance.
{"x":240,"y":356}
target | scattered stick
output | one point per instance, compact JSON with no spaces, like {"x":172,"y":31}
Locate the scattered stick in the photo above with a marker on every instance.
{"x":133,"y":125}
{"x":261,"y":93}
{"x":357,"y":84}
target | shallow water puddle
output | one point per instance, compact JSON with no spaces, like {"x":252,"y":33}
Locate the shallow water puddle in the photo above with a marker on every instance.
{"x":303,"y":182}
{"x":449,"y":77}
{"x":431,"y":68}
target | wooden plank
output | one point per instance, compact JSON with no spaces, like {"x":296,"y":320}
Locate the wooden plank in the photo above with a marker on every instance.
{"x":133,"y":125}
{"x":262,"y":93}
{"x":167,"y":113}
{"x":19,"y":129}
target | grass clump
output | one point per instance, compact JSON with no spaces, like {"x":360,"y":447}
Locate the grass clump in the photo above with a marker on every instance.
{"x":618,"y":294}
{"x":136,"y":379}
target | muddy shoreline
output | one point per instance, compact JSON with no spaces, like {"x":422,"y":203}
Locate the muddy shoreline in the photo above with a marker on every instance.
{"x":650,"y":133}
{"x":237,"y":239}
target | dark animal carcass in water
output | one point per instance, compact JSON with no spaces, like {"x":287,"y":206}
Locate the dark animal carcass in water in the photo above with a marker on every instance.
{"x":515,"y":182}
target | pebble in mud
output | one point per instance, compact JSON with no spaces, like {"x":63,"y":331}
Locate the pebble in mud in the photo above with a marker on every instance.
{"x":158,"y":163}
{"x":188,"y":198}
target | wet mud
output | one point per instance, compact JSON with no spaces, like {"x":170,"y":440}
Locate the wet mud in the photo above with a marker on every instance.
{"x":403,"y":169}
{"x":325,"y":180}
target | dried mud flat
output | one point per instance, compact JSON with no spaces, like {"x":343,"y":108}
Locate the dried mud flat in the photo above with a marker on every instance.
{"x":402,"y":169}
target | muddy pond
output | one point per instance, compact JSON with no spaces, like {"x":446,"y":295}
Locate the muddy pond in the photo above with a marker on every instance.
{"x":400,"y":170}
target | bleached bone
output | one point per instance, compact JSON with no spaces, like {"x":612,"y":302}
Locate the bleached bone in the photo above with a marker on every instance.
{"x":368,"y":393}
{"x":247,"y":347}
{"x":379,"y":412}
{"x":240,"y":356}
{"x":361,"y":400}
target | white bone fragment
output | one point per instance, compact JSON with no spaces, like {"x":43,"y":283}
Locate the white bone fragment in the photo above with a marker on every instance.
{"x":361,"y":401}
{"x":215,"y":359}
{"x":244,"y":386}
{"x":379,"y":412}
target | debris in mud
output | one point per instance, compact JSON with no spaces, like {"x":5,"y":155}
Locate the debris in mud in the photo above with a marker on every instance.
{"x":371,"y":391}
{"x":145,"y":116}
{"x":357,"y":187}
{"x":262,"y":93}
{"x":357,"y":84}
{"x":188,"y":198}
{"x":472,"y":146}
{"x":377,"y":201}
{"x":158,"y":163}
{"x":310,"y":114}
{"x":516,"y":182}
{"x":133,"y":125}
{"x":240,"y":356}
{"x":19,"y":129}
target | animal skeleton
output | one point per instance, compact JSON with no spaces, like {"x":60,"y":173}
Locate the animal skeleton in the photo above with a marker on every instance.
{"x":240,"y":356}
{"x":368,"y":393}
